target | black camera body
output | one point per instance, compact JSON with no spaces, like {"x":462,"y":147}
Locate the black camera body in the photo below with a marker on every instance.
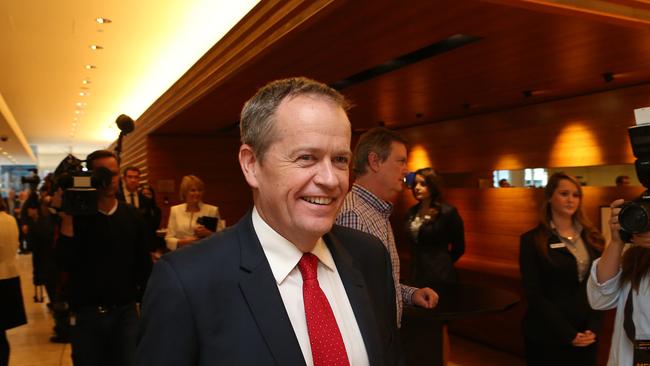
{"x":208,"y":222}
{"x":634,"y":217}
{"x":80,"y":187}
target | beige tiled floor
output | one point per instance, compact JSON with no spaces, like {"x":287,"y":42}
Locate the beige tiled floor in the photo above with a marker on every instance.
{"x":30,"y":345}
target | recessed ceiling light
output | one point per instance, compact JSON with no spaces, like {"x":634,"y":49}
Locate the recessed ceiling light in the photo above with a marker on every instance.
{"x":85,"y":81}
{"x":90,"y":67}
{"x":80,"y":104}
{"x":77,"y":112}
{"x":95,"y":47}
{"x":83,"y":94}
{"x":4,"y":153}
{"x":101,"y":20}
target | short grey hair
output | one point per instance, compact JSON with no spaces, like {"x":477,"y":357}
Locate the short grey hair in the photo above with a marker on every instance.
{"x":378,"y":140}
{"x":258,"y":115}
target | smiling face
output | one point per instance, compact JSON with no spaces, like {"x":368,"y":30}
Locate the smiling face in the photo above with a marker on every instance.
{"x":194,"y":195}
{"x":420,"y":189}
{"x":301,"y":181}
{"x":565,"y":200}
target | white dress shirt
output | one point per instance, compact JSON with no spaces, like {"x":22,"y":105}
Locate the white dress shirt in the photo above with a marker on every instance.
{"x":135,"y":202}
{"x":182,"y":222}
{"x":283,"y":257}
{"x":612,"y":294}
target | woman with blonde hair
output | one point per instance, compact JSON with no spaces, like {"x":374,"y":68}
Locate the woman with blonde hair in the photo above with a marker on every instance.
{"x":559,"y":326}
{"x":183,"y":228}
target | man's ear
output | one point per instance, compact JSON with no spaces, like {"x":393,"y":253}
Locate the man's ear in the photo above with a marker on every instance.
{"x":248,"y":164}
{"x":373,"y":161}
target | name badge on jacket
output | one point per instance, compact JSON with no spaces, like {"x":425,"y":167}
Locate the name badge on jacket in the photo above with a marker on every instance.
{"x":558,"y":245}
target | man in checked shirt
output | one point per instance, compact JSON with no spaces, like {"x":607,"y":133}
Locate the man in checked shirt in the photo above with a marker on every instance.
{"x":379,"y":165}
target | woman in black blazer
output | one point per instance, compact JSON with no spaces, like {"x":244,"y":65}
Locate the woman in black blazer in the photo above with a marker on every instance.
{"x":436,"y":232}
{"x":559,"y":326}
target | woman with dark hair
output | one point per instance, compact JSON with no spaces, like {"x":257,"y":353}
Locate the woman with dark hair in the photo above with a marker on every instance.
{"x":559,"y":326}
{"x":436,"y":231}
{"x":12,"y":310}
{"x":620,"y":279}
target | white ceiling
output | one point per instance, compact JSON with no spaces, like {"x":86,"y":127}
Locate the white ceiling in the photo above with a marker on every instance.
{"x":45,"y":45}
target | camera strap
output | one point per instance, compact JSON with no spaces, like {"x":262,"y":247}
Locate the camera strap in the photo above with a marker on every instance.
{"x":628,"y":323}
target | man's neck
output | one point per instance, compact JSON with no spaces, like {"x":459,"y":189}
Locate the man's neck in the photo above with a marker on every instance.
{"x":369,"y":183}
{"x":106,"y":203}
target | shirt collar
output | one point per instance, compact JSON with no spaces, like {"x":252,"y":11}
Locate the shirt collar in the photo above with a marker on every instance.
{"x":281,"y":254}
{"x":576,"y":225}
{"x":111,"y":211}
{"x":377,"y":203}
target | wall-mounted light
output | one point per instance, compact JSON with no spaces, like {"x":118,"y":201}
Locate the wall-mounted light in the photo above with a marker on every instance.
{"x":608,"y":77}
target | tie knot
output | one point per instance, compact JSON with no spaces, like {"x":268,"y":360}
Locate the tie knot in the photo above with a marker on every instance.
{"x":308,"y":266}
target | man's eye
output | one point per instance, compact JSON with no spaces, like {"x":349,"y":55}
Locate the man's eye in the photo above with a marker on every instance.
{"x":305,"y":157}
{"x":343,"y":160}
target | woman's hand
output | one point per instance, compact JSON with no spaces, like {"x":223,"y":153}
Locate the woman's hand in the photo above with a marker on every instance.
{"x":583,"y":339}
{"x":201,"y":232}
{"x":614,"y":225}
{"x":642,"y":240}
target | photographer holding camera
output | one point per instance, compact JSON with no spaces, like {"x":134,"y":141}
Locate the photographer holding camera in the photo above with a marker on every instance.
{"x":105,"y":260}
{"x":621,"y":277}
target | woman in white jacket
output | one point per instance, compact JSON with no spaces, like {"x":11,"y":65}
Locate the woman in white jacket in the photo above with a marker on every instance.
{"x":619,"y":279}
{"x":182,"y":228}
{"x":12,"y":310}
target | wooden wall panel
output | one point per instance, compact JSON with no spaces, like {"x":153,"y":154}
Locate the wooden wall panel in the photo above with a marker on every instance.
{"x":213,"y":159}
{"x":581,"y":131}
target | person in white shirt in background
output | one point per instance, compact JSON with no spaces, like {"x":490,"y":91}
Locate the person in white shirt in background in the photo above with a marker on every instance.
{"x":612,"y":276}
{"x":182,"y":228}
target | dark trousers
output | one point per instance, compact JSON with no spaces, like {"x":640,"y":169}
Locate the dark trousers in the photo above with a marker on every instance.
{"x":4,"y":348}
{"x":104,"y":339}
{"x":552,"y":354}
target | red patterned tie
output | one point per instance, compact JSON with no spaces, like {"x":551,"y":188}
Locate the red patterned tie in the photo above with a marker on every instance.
{"x":327,"y":346}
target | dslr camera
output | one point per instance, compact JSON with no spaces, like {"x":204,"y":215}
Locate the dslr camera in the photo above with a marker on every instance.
{"x":634,"y":217}
{"x":79,"y":186}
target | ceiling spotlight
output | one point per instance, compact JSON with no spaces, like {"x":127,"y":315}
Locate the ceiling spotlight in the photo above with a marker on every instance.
{"x":77,"y":112}
{"x":90,"y":67}
{"x":527,"y":93}
{"x":85,"y":81}
{"x":95,"y":47}
{"x":608,"y":77}
{"x":83,"y":94}
{"x":80,"y":104}
{"x":101,"y":20}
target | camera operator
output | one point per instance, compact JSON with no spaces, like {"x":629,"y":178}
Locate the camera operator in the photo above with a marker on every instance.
{"x":105,"y":256}
{"x":620,"y":279}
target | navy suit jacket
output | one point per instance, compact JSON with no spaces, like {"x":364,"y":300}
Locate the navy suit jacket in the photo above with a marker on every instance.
{"x":217,"y":303}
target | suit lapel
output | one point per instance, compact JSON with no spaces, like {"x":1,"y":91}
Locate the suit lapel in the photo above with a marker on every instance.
{"x":355,"y":288}
{"x":264,"y":301}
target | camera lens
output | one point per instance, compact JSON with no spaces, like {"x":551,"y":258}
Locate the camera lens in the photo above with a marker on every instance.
{"x":634,"y":217}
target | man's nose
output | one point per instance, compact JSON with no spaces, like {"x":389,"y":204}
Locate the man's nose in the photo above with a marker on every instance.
{"x":325,"y":175}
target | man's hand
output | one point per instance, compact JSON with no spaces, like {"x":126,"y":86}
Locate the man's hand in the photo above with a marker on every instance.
{"x":425,"y":298}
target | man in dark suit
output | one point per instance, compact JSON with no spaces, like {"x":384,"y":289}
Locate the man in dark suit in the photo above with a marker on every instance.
{"x":145,"y":205}
{"x":284,"y":286}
